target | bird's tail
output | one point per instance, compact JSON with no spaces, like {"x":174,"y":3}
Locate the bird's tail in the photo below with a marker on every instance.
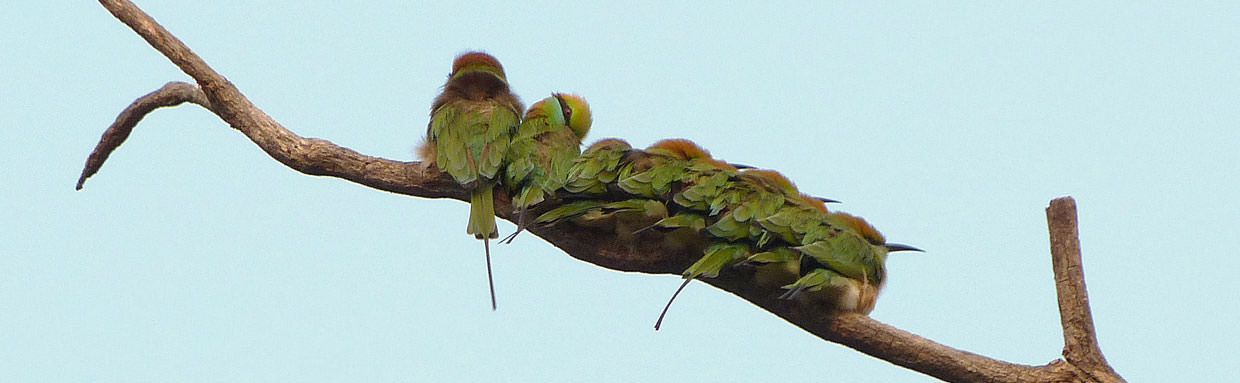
{"x":482,"y":224}
{"x":482,"y":213}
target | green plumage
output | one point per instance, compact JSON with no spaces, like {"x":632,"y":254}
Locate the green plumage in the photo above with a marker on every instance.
{"x":718,"y":255}
{"x":596,"y":213}
{"x":815,"y":280}
{"x":842,"y":264}
{"x":482,"y":212}
{"x":739,"y":218}
{"x":471,"y":138}
{"x":791,"y":222}
{"x":849,"y":255}
{"x":748,"y":218}
{"x":598,"y":166}
{"x":655,"y":182}
{"x":541,"y":154}
{"x":775,"y":255}
{"x":687,"y":220}
{"x":704,"y":190}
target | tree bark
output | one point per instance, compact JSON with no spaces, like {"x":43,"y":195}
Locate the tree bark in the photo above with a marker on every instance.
{"x":1083,"y":360}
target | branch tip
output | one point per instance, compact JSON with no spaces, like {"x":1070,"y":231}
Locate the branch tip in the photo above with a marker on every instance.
{"x":171,"y":94}
{"x":1081,"y":348}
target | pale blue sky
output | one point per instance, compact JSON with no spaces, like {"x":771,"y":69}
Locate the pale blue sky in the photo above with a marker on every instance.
{"x":193,"y":256}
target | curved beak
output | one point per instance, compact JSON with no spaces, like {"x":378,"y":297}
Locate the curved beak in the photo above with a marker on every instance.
{"x":740,"y":166}
{"x":826,"y":200}
{"x":891,"y":247}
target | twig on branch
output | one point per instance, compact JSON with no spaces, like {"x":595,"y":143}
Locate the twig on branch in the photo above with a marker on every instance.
{"x":603,"y":248}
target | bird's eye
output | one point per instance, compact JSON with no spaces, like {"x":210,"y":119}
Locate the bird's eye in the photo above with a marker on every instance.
{"x":565,"y":108}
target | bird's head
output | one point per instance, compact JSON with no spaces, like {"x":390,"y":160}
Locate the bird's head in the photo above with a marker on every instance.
{"x":679,"y":148}
{"x":469,"y":62}
{"x":576,"y":113}
{"x":867,"y":231}
{"x":607,"y":144}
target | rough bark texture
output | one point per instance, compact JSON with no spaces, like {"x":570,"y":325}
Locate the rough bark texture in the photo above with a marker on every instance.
{"x":1084,"y":361}
{"x":1080,"y":341}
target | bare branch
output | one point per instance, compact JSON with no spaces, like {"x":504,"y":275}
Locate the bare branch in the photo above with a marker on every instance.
{"x":1080,"y":341}
{"x":171,"y":94}
{"x":604,"y":248}
{"x":307,"y":155}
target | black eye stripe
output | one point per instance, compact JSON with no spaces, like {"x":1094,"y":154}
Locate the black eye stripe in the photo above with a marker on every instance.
{"x":564,"y":108}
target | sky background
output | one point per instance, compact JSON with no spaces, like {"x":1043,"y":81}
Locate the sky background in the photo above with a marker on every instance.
{"x":193,"y":256}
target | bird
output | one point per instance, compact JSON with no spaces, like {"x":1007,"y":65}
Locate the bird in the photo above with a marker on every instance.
{"x":543,"y":150}
{"x":471,"y":127}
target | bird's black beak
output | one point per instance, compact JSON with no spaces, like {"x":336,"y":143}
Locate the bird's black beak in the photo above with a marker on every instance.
{"x":826,"y":200}
{"x":902,"y":247}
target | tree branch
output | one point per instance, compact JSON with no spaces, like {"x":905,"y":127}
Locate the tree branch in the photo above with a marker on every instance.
{"x":323,"y":158}
{"x":171,"y":94}
{"x":1080,"y":341}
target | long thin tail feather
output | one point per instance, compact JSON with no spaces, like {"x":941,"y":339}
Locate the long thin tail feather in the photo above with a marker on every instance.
{"x":659,"y":323}
{"x":486,"y":246}
{"x":482,"y":225}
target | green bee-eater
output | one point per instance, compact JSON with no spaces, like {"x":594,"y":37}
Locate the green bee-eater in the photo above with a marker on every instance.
{"x":758,"y":194}
{"x":598,"y":166}
{"x":845,"y":269}
{"x":651,"y":173}
{"x":735,"y":202}
{"x":697,"y":184}
{"x":543,"y":151}
{"x":472,"y":123}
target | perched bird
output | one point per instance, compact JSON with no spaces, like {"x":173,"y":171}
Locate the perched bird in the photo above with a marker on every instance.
{"x":736,"y":206}
{"x":698,"y":186}
{"x":664,"y":165}
{"x":766,"y":193}
{"x":599,"y":165}
{"x":543,"y":150}
{"x":758,"y":194}
{"x":595,"y":172}
{"x":844,"y":269}
{"x":472,"y":123}
{"x":793,"y":219}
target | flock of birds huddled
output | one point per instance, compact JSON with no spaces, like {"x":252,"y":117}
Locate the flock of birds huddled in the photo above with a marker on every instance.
{"x":736,"y":215}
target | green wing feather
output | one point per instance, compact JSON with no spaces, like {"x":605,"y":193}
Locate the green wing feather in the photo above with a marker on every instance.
{"x":815,"y":280}
{"x":471,"y":139}
{"x":848,"y":254}
{"x":598,"y":166}
{"x":718,"y":255}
